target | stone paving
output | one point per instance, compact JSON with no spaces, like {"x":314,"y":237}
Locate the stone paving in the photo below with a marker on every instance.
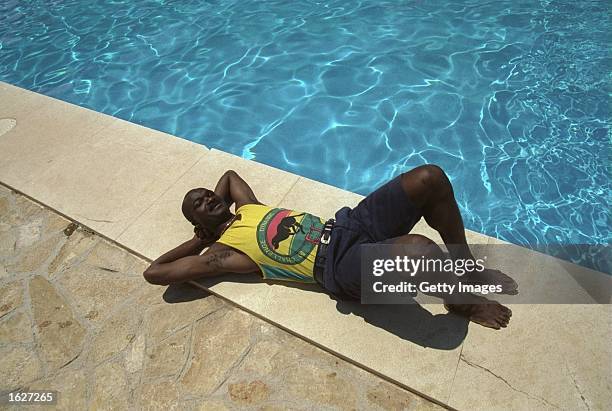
{"x":77,"y":317}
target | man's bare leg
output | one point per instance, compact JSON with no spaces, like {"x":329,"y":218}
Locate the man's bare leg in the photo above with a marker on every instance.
{"x":480,"y":310}
{"x":430,"y":190}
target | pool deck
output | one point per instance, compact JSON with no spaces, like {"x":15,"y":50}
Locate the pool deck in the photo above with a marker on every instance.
{"x":76,"y":317}
{"x":126,"y":182}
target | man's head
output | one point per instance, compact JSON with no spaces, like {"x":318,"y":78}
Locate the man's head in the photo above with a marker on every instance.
{"x":203,"y":208}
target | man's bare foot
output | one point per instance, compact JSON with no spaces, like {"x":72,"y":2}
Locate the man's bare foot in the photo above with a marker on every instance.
{"x":485,"y":312}
{"x":490,"y":276}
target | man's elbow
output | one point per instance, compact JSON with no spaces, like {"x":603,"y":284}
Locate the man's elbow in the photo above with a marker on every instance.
{"x":153,"y":277}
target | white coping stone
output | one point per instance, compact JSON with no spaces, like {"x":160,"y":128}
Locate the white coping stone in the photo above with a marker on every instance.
{"x":135,"y":188}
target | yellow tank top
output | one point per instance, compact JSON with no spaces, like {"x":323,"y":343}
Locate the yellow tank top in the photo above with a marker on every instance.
{"x":283,"y":243}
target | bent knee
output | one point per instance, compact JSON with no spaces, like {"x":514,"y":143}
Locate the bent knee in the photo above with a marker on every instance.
{"x":430,"y":177}
{"x":428,"y":174}
{"x":433,"y":174}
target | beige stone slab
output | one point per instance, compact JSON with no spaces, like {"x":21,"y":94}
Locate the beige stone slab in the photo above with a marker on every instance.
{"x":545,"y":279}
{"x":59,"y":334}
{"x":318,"y":198}
{"x":69,"y":158}
{"x":108,"y":184}
{"x":213,"y":355}
{"x":423,"y":228}
{"x":19,"y":365}
{"x":47,"y":130}
{"x":16,"y":329}
{"x":247,"y":291}
{"x":72,"y":386}
{"x":16,"y":102}
{"x":551,"y":356}
{"x":111,"y":389}
{"x":163,"y":227}
{"x":11,"y":297}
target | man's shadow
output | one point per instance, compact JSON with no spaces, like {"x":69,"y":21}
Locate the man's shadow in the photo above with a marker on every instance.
{"x":410,"y":322}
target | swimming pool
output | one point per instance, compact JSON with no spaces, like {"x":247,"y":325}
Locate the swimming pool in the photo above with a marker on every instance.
{"x":511,"y":98}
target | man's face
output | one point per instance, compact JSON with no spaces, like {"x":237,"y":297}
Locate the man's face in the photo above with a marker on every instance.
{"x":204,"y":207}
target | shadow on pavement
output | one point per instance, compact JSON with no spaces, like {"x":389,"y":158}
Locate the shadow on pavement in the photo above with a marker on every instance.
{"x":410,"y":322}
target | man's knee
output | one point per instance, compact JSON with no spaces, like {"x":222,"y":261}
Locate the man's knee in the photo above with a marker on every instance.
{"x":433,"y":175}
{"x":429,"y":176}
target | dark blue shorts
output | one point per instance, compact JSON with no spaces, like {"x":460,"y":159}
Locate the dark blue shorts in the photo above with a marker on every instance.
{"x":384,"y":214}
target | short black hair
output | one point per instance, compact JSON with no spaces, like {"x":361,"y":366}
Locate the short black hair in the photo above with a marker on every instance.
{"x":186,"y":214}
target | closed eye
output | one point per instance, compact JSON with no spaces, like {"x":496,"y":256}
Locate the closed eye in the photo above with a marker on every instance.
{"x":198,"y":201}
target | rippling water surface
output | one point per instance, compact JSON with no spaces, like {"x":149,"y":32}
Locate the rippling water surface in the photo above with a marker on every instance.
{"x":511,"y":98}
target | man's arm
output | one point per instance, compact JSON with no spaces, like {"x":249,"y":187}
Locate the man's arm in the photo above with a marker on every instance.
{"x":233,"y":189}
{"x":189,"y":247}
{"x":218,"y":259}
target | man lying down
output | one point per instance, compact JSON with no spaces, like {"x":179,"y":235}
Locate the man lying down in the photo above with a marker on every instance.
{"x":257,"y":239}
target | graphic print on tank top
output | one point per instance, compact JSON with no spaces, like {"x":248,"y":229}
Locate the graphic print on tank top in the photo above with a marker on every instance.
{"x":288,"y":237}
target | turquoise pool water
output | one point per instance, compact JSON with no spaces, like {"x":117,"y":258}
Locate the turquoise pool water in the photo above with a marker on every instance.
{"x":511,"y":98}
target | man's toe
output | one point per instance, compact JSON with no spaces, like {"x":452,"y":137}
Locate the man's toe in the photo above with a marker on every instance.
{"x":488,"y":319}
{"x":505,"y":310}
{"x":491,"y":323}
